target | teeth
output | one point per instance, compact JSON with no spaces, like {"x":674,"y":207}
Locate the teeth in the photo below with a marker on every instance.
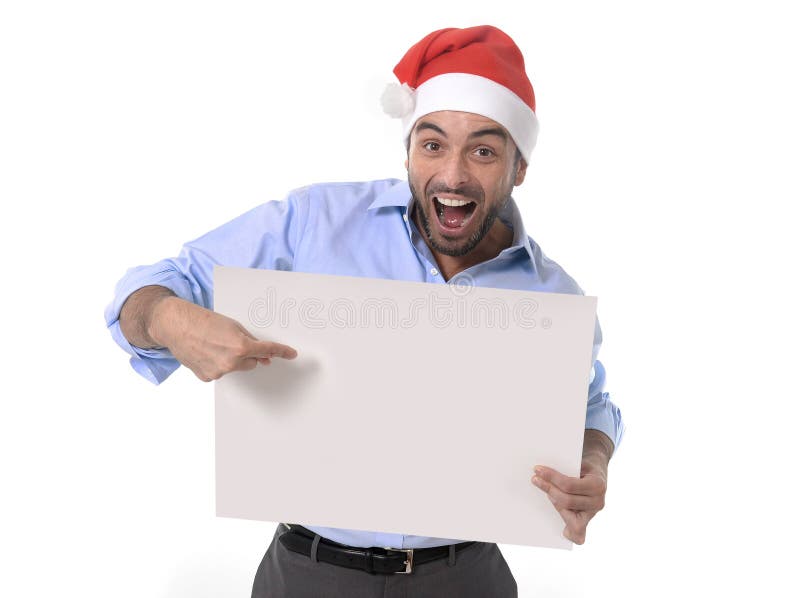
{"x":452,"y":202}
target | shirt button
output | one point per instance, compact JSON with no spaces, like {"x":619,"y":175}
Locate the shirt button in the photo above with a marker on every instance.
{"x":434,"y":271}
{"x":405,"y":217}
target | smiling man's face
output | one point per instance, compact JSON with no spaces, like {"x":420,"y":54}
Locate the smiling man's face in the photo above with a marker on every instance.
{"x":461,"y":170}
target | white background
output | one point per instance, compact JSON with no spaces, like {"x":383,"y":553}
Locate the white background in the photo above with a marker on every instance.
{"x":665,"y":182}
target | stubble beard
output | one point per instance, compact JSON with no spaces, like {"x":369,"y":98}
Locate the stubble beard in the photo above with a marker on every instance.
{"x":473,"y":240}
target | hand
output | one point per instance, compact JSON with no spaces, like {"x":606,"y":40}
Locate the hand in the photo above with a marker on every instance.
{"x":208,"y":343}
{"x":577,"y":500}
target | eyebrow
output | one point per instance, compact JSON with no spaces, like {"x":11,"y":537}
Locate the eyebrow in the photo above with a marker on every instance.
{"x":499,"y":132}
{"x":490,"y":131}
{"x":428,"y":125}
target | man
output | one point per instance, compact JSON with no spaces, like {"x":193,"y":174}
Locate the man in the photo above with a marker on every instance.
{"x":469,"y":123}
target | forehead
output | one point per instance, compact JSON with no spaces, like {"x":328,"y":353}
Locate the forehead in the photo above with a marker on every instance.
{"x":453,"y":122}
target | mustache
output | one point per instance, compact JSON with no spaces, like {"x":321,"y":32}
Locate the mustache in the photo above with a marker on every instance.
{"x":467,"y":191}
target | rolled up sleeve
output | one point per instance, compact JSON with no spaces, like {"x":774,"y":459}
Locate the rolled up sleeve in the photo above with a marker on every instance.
{"x":264,"y":237}
{"x":601,"y":413}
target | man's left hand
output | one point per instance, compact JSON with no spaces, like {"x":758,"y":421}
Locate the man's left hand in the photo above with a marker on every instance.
{"x":577,"y":500}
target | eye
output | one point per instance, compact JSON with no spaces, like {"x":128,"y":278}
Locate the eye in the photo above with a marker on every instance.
{"x":484,"y":152}
{"x":432,"y":146}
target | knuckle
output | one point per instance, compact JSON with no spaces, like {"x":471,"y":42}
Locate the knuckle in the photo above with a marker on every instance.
{"x":228,"y":364}
{"x":240,"y":347}
{"x":569,"y":485}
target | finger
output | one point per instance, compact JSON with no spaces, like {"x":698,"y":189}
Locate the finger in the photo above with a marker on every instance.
{"x":248,"y":363}
{"x":575,"y":529}
{"x":260,"y":349}
{"x":264,"y":360}
{"x":584,"y":486}
{"x":563,"y":500}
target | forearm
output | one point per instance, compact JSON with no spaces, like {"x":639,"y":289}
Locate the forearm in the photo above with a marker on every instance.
{"x":597,"y":448}
{"x":138,"y":314}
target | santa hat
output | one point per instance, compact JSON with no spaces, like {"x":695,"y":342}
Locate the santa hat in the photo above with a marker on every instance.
{"x":478,"y":70}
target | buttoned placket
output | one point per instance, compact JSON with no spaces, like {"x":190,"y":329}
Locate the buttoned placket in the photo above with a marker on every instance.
{"x":433,"y":275}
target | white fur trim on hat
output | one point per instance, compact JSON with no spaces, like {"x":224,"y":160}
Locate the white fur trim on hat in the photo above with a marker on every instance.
{"x":464,"y":92}
{"x":397,"y":100}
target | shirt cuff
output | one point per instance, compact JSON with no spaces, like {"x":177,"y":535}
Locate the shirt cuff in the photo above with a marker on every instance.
{"x":153,"y":364}
{"x":601,"y":413}
{"x":604,"y":416}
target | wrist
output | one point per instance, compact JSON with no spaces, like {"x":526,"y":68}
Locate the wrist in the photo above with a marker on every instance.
{"x":162,"y":319}
{"x":597,"y":447}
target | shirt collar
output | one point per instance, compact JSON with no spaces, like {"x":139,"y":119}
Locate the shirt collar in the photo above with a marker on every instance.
{"x":399,"y":195}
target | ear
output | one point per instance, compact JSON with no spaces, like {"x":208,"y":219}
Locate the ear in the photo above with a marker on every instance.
{"x":406,"y":163}
{"x":522,"y":168}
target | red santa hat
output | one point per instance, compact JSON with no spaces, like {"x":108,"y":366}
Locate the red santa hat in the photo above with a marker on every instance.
{"x":478,"y":70}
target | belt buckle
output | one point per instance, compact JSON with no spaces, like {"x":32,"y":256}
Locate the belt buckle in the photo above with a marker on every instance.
{"x":409,"y":562}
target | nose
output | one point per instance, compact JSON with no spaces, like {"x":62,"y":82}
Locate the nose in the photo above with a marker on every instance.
{"x":455,"y":170}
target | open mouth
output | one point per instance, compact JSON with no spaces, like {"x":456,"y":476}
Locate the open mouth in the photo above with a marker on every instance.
{"x":453,"y":213}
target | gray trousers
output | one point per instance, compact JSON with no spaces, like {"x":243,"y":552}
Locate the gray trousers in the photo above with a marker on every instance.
{"x":480,"y":571}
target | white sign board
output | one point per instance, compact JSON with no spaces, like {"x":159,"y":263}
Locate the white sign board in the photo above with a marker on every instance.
{"x":411,"y":408}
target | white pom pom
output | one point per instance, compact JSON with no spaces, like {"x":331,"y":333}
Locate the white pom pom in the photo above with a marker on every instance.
{"x":397,"y":100}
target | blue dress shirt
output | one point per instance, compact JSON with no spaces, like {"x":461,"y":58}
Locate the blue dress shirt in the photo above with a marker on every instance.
{"x":349,"y":229}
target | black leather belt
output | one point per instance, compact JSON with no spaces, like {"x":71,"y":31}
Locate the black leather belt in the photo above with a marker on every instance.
{"x":371,"y":560}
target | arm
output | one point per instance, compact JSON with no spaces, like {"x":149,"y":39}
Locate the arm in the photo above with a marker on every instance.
{"x":209,"y":344}
{"x":179,"y":290}
{"x":137,"y":314}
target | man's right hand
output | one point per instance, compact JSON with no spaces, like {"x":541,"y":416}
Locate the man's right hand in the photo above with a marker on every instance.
{"x":208,"y":343}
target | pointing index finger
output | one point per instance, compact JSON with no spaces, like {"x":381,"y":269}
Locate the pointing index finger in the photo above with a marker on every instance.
{"x":269,"y":349}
